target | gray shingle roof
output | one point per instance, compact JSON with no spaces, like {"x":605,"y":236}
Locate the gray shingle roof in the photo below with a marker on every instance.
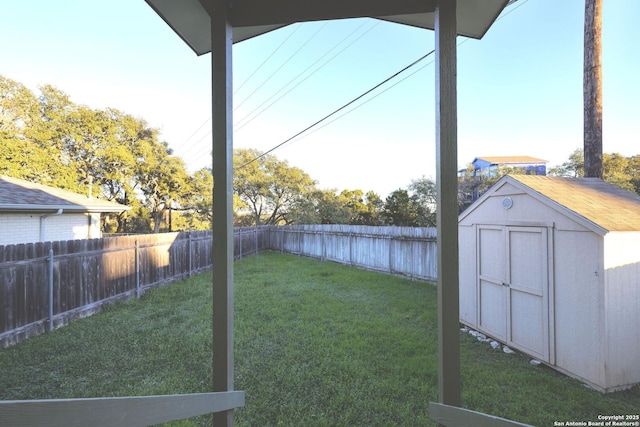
{"x":604,"y":204}
{"x":20,"y":195}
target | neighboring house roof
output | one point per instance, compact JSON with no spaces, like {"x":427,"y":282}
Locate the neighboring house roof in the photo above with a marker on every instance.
{"x":510,"y":159}
{"x":20,"y":195}
{"x":606,"y":205}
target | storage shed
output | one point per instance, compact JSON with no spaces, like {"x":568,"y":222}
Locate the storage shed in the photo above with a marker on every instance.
{"x":550,"y":266}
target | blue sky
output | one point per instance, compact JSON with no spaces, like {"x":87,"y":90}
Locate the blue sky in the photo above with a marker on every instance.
{"x":519,"y":88}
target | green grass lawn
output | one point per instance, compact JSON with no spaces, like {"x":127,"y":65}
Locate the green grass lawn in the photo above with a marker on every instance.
{"x":317,"y":344}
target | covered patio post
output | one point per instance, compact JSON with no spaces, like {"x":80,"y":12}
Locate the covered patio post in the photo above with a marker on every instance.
{"x":222,"y":152}
{"x":447,"y":214}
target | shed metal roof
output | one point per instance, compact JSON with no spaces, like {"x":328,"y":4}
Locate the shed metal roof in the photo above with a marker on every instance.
{"x":606,"y":205}
{"x":250,"y":18}
{"x":17,"y":195}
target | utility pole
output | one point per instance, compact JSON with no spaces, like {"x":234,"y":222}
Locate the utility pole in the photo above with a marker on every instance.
{"x":592,"y":87}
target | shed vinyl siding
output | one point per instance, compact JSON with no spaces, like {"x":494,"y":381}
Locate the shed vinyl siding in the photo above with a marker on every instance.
{"x":468,"y":272}
{"x":579,"y":318}
{"x":622,"y":300}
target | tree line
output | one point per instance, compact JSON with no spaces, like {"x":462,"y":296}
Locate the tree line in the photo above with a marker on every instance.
{"x":48,"y":139}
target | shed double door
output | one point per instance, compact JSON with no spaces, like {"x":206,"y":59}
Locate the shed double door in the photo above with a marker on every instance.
{"x":513,"y":287}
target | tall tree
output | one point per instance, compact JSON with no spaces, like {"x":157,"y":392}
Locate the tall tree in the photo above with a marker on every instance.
{"x":26,"y":150}
{"x":617,"y":169}
{"x":402,"y":209}
{"x":163,"y":181}
{"x":270,"y":187}
{"x":574,"y":167}
{"x":592,"y":82}
{"x":424,"y":190}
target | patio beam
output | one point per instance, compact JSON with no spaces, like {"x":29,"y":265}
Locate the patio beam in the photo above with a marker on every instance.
{"x":260,"y":12}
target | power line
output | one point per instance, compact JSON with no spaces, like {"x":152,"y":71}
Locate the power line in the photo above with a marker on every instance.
{"x":244,"y":119}
{"x":240,"y":87}
{"x":196,"y":131}
{"x":282,"y":65}
{"x":267,"y":59}
{"x":368,"y":100}
{"x":195,"y":146}
{"x":340,"y":109}
{"x":367,"y":92}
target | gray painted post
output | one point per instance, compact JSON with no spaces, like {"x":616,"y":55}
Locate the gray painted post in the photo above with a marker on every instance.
{"x":51,"y":289}
{"x":240,"y":241}
{"x":136,"y":261}
{"x":447,"y":213}
{"x":222,"y":130}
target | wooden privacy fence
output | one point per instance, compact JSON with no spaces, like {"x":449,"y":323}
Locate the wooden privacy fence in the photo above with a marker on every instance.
{"x":47,"y":285}
{"x":404,"y":251}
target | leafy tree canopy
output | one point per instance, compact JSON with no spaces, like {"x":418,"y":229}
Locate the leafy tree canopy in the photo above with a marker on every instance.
{"x":617,"y":169}
{"x":46,"y":138}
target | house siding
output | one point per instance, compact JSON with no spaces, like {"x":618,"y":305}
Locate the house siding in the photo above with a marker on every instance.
{"x":16,"y":228}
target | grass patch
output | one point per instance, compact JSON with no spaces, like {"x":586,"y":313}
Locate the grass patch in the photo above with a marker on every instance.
{"x":316,"y":344}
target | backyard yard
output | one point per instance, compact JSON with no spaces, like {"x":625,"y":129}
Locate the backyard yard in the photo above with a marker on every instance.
{"x":316,"y":344}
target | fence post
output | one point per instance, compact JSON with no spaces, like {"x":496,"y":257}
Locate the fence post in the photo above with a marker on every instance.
{"x":189,"y":254}
{"x":240,"y":242}
{"x":137,"y":266}
{"x":390,"y":255}
{"x":51,"y":289}
{"x":350,"y":248}
{"x":255,"y":239}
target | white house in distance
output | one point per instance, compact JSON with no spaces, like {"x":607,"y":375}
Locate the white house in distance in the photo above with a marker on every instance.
{"x":551,"y":266}
{"x":32,"y":212}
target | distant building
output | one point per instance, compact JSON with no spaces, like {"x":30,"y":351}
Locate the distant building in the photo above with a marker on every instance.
{"x":489,"y":166}
{"x":484,"y":171}
{"x":32,"y":212}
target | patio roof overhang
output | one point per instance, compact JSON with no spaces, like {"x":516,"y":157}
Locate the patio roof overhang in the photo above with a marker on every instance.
{"x":190,"y":19}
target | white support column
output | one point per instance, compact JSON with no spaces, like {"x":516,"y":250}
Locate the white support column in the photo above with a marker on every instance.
{"x":222,"y":129}
{"x":447,"y":216}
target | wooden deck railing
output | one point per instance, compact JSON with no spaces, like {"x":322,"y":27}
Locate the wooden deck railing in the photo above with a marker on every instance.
{"x":116,"y":411}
